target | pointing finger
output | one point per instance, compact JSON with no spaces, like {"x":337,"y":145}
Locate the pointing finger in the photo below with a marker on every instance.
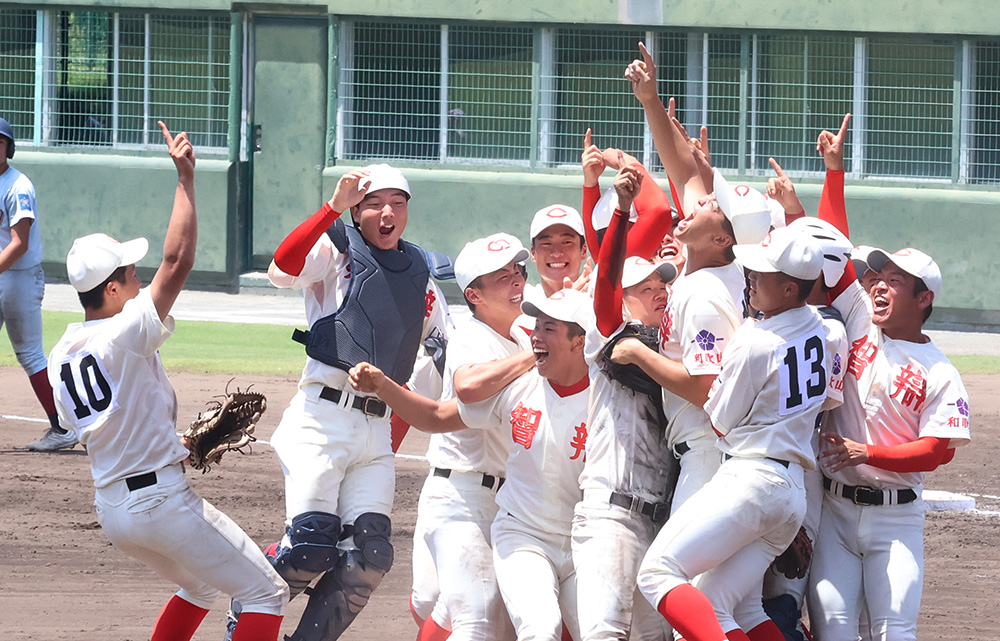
{"x":587,"y":139}
{"x":777,"y":168}
{"x":166,"y":133}
{"x":646,"y":57}
{"x":704,"y":139}
{"x":843,"y":127}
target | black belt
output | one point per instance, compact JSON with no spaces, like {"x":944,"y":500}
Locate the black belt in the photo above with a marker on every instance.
{"x":864,"y":495}
{"x":682,"y":448}
{"x":779,"y":461}
{"x":655,"y":511}
{"x":140,"y":481}
{"x":368,"y":405}
{"x":488,"y":479}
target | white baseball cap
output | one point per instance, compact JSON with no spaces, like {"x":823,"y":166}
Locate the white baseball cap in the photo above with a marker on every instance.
{"x":566,"y":305}
{"x":913,"y":262}
{"x":556,"y":215}
{"x":784,"y":250}
{"x":606,"y":206}
{"x":93,"y":258}
{"x":383,"y":176}
{"x":745,"y":207}
{"x":835,"y":245}
{"x":486,"y":255}
{"x":638,"y":269}
{"x":859,"y":258}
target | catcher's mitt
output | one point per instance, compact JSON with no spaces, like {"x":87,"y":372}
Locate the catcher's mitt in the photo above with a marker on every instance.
{"x":226,"y":425}
{"x":632,"y":376}
{"x":794,"y":562}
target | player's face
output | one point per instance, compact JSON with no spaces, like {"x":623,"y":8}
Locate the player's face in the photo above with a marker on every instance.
{"x":703,"y":224}
{"x":382,"y":217}
{"x":132,"y":283}
{"x":501,"y":291}
{"x":671,"y":251}
{"x":771,"y":292}
{"x":4,"y":143}
{"x":647,"y":300}
{"x":558,"y":253}
{"x":553,"y":347}
{"x":895,"y":307}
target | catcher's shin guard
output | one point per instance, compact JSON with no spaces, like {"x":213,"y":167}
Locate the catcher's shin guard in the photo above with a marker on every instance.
{"x":313,"y":538}
{"x":339,"y":596}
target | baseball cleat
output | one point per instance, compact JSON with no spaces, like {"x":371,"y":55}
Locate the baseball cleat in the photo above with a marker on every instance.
{"x":52,"y":441}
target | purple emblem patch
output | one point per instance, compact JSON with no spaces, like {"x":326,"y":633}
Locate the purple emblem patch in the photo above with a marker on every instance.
{"x":836,"y":364}
{"x":963,"y":407}
{"x":706,"y":340}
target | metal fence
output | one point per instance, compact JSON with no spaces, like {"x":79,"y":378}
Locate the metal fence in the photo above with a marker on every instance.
{"x":924,"y":109}
{"x":103,"y":79}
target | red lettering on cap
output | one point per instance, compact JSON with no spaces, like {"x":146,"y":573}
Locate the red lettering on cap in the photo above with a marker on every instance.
{"x":902,"y":252}
{"x":556,"y":212}
{"x":742,"y":190}
{"x":559,"y":295}
{"x":766,"y":241}
{"x":498,"y":245}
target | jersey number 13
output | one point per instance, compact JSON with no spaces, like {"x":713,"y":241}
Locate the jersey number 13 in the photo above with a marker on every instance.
{"x":803,"y":373}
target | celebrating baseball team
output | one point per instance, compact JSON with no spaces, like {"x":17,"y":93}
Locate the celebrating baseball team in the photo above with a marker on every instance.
{"x":710,"y":416}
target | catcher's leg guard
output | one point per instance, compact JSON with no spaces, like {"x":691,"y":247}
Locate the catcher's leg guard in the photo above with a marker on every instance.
{"x":313,"y":538}
{"x":785,"y":613}
{"x":340,"y":595}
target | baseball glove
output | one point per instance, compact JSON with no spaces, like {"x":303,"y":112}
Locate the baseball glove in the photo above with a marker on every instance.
{"x":226,"y":425}
{"x":794,"y":562}
{"x":632,"y":376}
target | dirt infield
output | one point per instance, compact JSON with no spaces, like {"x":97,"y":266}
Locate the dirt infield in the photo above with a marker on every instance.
{"x":61,"y":579}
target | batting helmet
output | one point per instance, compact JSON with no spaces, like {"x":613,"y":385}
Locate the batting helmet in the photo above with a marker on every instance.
{"x":836,"y":247}
{"x":7,"y":132}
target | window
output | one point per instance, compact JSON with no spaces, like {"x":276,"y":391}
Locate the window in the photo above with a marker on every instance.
{"x":103,"y":79}
{"x":477,"y":94}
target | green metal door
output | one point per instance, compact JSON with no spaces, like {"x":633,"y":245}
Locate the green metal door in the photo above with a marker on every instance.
{"x":288,"y":130}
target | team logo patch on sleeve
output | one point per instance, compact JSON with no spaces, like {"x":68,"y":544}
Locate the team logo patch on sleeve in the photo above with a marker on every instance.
{"x":962,"y":406}
{"x":706,"y":340}
{"x":836,"y":364}
{"x":24,"y":202}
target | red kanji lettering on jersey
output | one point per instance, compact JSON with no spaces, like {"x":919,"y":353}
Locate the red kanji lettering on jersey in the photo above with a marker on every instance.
{"x":710,"y":358}
{"x":524,"y":423}
{"x":863,"y":352}
{"x":958,"y":421}
{"x":429,"y":299}
{"x":579,"y":442}
{"x":910,"y":387}
{"x":666,"y":325}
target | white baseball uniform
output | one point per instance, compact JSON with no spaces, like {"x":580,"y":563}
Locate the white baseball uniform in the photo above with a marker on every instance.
{"x":704,"y":311}
{"x":22,"y":285}
{"x":627,"y":455}
{"x":763,"y":405}
{"x":337,"y":459}
{"x":546,"y":427}
{"x":458,"y":501}
{"x":895,"y":392}
{"x":112,"y":391}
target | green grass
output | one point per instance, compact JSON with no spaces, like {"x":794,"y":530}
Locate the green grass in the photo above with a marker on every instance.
{"x":236,"y":348}
{"x":200,"y":347}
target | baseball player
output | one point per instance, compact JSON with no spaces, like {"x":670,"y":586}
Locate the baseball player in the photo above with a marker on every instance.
{"x":558,"y":249}
{"x":113,"y":393}
{"x":763,"y":406}
{"x":544,"y":413}
{"x":22,"y":284}
{"x":627,"y":477}
{"x":368,"y":297}
{"x":706,"y":302}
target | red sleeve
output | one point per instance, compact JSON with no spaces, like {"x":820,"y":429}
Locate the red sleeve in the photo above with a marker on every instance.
{"x":922,"y":455}
{"x":653,"y":223}
{"x":608,"y":290}
{"x":290,"y":257}
{"x":832,"y":207}
{"x":590,"y":197}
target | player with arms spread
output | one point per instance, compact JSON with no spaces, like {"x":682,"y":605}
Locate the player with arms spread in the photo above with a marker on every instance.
{"x":112,"y":391}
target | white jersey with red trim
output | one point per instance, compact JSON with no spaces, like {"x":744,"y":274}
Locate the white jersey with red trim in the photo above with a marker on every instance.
{"x":483,"y":447}
{"x":895,"y":392}
{"x":111,"y":390}
{"x":703,"y":312}
{"x":324,"y":280}
{"x":626,"y":448}
{"x":772,"y":387}
{"x":546,"y":428}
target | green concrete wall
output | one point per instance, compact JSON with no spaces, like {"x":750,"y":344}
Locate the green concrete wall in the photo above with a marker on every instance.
{"x":131,"y":196}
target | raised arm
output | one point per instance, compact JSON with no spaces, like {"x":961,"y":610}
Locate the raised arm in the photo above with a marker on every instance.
{"x":782,"y":189}
{"x":475,"y":382}
{"x":608,"y":290}
{"x":182,"y":230}
{"x":670,"y":145}
{"x":593,"y":166}
{"x":832,"y":207}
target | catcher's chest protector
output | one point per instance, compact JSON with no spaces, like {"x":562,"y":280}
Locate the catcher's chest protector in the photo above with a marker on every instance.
{"x":381,"y":318}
